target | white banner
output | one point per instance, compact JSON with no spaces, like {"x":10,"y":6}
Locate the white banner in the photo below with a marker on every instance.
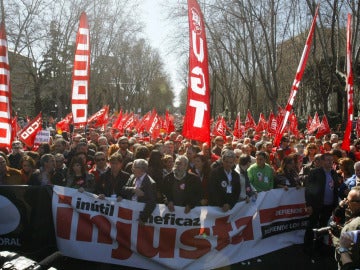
{"x":107,"y":231}
{"x":42,"y":136}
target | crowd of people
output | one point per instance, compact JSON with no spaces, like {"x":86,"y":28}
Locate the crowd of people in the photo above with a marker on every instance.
{"x":176,"y":171}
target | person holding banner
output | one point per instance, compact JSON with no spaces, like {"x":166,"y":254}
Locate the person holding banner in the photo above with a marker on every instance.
{"x":47,"y":169}
{"x":112,"y":181}
{"x":78,"y":177}
{"x":182,"y":188}
{"x":141,"y":188}
{"x":224,"y":182}
{"x":261,"y":174}
{"x":8,"y":175}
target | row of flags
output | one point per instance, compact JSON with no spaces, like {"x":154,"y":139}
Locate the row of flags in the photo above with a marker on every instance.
{"x":197,"y":121}
{"x":271,"y":126}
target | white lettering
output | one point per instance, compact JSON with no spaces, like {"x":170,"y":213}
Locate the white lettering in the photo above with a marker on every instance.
{"x":198,"y":52}
{"x":201,"y":107}
{"x":198,"y":81}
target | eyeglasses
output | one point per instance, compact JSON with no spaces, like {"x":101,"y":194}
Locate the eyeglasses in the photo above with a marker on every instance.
{"x":100,"y":159}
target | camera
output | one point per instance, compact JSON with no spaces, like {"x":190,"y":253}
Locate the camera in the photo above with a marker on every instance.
{"x":333,"y":227}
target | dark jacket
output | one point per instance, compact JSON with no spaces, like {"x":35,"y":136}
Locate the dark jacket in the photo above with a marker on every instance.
{"x":192,"y":189}
{"x":217,"y":188}
{"x":315,"y":188}
{"x":148,"y":186}
{"x":109,"y":185}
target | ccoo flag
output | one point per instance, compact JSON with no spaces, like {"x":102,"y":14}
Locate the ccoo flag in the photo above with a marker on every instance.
{"x":197,"y":116}
{"x":81,"y":73}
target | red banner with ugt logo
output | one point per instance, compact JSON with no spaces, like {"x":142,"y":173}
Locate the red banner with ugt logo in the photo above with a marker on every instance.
{"x":197,"y":117}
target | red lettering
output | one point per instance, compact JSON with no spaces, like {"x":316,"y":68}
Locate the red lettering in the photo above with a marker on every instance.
{"x":221,"y":230}
{"x":123,"y":237}
{"x":63,"y":222}
{"x":145,"y":242}
{"x":192,"y":238}
{"x":246,"y":234}
{"x":85,"y":228}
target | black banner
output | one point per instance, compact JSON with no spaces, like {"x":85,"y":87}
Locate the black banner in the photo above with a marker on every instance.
{"x":26,"y":223}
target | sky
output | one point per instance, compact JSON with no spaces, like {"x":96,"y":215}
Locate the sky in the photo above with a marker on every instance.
{"x":156,"y":30}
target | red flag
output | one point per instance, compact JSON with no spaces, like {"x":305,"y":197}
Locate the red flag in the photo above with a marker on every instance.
{"x":197,"y":117}
{"x":272,"y":126}
{"x":293,"y":124}
{"x":27,"y":134}
{"x":315,"y":124}
{"x":118,"y":120}
{"x":81,"y":73}
{"x":249,"y":121}
{"x":220,"y":127}
{"x":238,"y":127}
{"x":143,"y":122}
{"x":308,"y":123}
{"x":298,"y":77}
{"x":262,"y":123}
{"x":129,"y":123}
{"x":64,"y":125}
{"x":169,"y":122}
{"x":5,"y":91}
{"x":324,"y":128}
{"x":100,"y":118}
{"x":349,"y":88}
{"x":153,"y":125}
{"x":15,"y":127}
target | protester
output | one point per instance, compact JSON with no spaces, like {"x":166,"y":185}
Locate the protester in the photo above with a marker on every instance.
{"x":141,"y":188}
{"x":218,"y":145}
{"x":347,"y":176}
{"x":182,"y":188}
{"x":305,"y":171}
{"x":47,"y":167}
{"x":352,"y":223}
{"x":60,"y":172}
{"x":310,"y":151}
{"x":224,"y":183}
{"x":321,"y":196}
{"x":126,"y":154}
{"x":101,"y":165}
{"x":287,"y":176}
{"x":168,"y":164}
{"x":16,"y":155}
{"x":113,"y":180}
{"x":8,"y":175}
{"x":78,"y":176}
{"x":246,"y":191}
{"x":28,"y":167}
{"x":261,"y":174}
{"x":202,"y":169}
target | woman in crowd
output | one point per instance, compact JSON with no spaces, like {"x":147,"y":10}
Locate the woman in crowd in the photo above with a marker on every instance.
{"x":155,"y":170}
{"x":168,"y":162}
{"x":310,"y":151}
{"x":287,"y":175}
{"x":202,"y":169}
{"x":78,"y":177}
{"x":28,"y":169}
